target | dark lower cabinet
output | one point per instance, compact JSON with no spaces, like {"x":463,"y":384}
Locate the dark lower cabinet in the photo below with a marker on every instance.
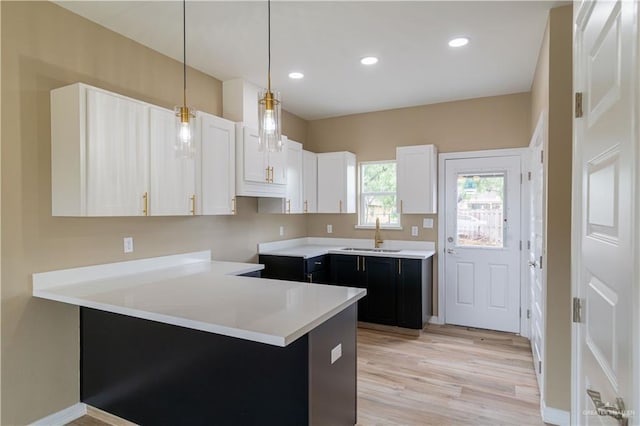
{"x":379,"y":276}
{"x":345,"y":271}
{"x":414,"y":292}
{"x":313,"y":270}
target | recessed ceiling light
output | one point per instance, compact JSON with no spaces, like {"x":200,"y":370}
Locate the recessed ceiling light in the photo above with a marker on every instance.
{"x":459,"y":42}
{"x":296,"y":75}
{"x":369,"y":60}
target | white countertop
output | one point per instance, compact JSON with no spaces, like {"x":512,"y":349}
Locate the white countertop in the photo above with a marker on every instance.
{"x":311,"y":247}
{"x":191,"y":291}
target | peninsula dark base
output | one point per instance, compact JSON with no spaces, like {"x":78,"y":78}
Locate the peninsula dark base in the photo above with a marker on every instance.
{"x":154,"y":373}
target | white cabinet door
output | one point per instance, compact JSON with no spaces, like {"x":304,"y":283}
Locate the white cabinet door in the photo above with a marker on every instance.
{"x":309,"y":182}
{"x":417,"y":179}
{"x":216,"y":165}
{"x":172,"y":179}
{"x":337,"y":182}
{"x":117,"y":154}
{"x":255,"y":162}
{"x":294,"y":176}
{"x":277,"y":161}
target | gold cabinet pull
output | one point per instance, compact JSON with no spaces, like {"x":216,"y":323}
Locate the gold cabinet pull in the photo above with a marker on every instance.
{"x":233,"y":205}
{"x":289,"y":206}
{"x":271,"y":174}
{"x":193,"y":205}
{"x":145,"y":201}
{"x":268,"y":169}
{"x":399,"y":267}
{"x":364,"y":267}
{"x":306,"y":206}
{"x":340,"y":206}
{"x":357,"y":263}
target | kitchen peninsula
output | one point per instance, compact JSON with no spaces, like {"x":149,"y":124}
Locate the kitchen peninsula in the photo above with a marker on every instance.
{"x":186,"y":340}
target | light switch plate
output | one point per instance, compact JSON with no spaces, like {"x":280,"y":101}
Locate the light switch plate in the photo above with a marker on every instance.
{"x":128,"y":244}
{"x":414,"y":231}
{"x":329,"y":229}
{"x":336,"y":353}
{"x":427,"y":223}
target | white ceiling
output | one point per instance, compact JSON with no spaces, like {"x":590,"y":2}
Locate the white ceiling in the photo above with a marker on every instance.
{"x":325,"y":40}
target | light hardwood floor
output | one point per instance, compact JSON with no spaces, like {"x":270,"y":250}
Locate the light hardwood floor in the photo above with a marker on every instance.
{"x":447,"y":376}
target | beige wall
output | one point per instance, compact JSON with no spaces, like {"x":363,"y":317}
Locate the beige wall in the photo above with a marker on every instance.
{"x":43,"y":47}
{"x":476,"y":124}
{"x":558,"y":154}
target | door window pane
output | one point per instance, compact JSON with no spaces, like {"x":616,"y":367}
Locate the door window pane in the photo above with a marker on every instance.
{"x":480,"y":220}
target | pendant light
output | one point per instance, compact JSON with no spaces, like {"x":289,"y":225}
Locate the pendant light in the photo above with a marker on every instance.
{"x":184,"y":144}
{"x":269,"y":123}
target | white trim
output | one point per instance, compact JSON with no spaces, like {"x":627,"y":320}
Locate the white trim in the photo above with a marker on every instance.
{"x":554,"y":416}
{"x":63,"y":416}
{"x":510,"y":152}
{"x":436,"y":320}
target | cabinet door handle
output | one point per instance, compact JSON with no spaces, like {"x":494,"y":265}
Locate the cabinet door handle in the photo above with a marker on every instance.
{"x":357,"y":263}
{"x":310,"y":277}
{"x":317,"y":263}
{"x":306,"y":206}
{"x":271,"y":174}
{"x":193,"y":205}
{"x":364,"y":268}
{"x":268,"y":170}
{"x":145,"y":201}
{"x":399,"y":267}
{"x":340,"y":208}
{"x":288,"y":206}
{"x":233,"y":205}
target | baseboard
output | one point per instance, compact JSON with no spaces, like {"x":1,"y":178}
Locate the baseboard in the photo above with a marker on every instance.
{"x":554,"y":416}
{"x":436,"y":320}
{"x":109,"y":418}
{"x":63,"y":417}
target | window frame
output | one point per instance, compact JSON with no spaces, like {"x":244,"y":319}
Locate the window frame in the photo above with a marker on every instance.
{"x":361,"y":195}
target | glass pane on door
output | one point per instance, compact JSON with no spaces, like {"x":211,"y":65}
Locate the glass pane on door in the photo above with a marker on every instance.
{"x":480,"y":220}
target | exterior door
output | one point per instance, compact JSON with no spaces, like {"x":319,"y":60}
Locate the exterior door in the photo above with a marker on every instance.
{"x":605,"y":220}
{"x":482,"y":242}
{"x":535,"y":246}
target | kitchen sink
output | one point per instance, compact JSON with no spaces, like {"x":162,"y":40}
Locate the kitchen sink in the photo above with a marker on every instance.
{"x":375,"y":250}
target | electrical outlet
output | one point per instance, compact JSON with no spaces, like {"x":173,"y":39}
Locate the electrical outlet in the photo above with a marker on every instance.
{"x":281,"y":230}
{"x":414,"y":231}
{"x":336,"y":353}
{"x":427,"y":223}
{"x":329,"y":229}
{"x":128,"y":244}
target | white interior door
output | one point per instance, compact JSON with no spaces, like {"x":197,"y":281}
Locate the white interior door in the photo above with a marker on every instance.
{"x":535,"y":246}
{"x":482,"y":247}
{"x":604,"y":216}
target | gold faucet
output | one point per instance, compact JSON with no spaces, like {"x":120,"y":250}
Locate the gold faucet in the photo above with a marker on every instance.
{"x":377,"y":238}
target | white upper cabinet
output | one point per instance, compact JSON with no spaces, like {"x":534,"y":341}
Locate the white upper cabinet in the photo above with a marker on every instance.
{"x":258,"y":173}
{"x":292,"y":203}
{"x":172,"y":179}
{"x":337,"y":182}
{"x":215,"y":165}
{"x":309,"y":182}
{"x":417,"y":168}
{"x":99,"y":153}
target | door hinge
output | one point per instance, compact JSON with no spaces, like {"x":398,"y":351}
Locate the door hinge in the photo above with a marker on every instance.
{"x":579,"y":105}
{"x":540,"y":367}
{"x":520,"y":245}
{"x":528,"y":175}
{"x":540,"y":262}
{"x":520,"y":313}
{"x":577,"y":310}
{"x":528,"y":313}
{"x":542,"y":156}
{"x":528,"y":244}
{"x":520,"y":178}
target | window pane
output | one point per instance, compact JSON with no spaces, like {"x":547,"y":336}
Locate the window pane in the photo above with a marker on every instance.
{"x":379,"y":206}
{"x":379,"y":177}
{"x":481,"y":210}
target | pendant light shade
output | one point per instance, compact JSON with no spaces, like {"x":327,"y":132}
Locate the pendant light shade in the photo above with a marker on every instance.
{"x":269,"y":116}
{"x":184,"y":144}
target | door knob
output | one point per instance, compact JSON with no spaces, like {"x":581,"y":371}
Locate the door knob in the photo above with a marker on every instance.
{"x":616,"y":411}
{"x":451,"y":251}
{"x":533,"y":264}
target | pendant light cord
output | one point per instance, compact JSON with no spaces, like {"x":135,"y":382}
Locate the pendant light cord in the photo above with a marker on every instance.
{"x":269,"y":47}
{"x":184,"y":51}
